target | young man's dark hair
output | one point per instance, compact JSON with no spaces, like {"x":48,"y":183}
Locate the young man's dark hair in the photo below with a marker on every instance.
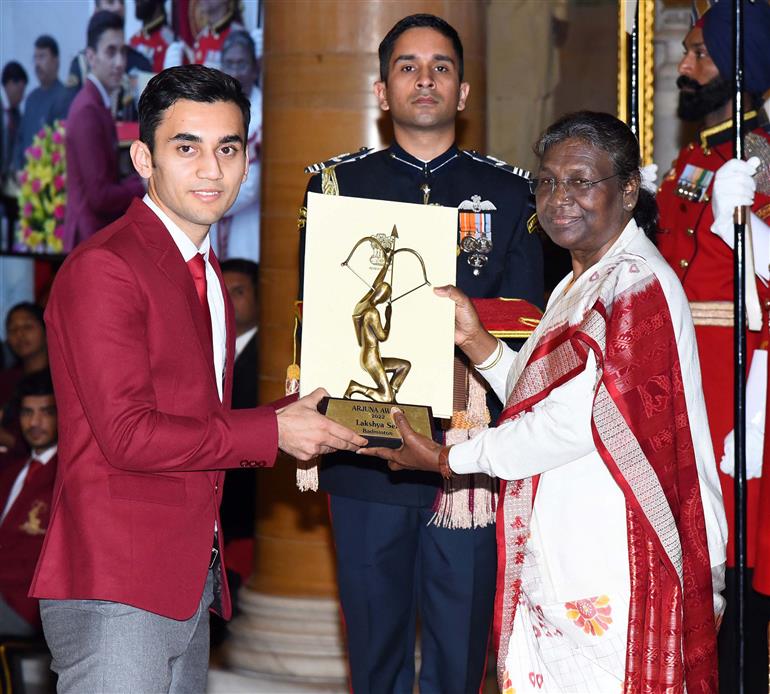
{"x":99,"y":23}
{"x":244,"y":267}
{"x":13,"y":72}
{"x":37,"y":383}
{"x":28,"y":307}
{"x":418,"y":21}
{"x":48,"y":42}
{"x":190,"y":82}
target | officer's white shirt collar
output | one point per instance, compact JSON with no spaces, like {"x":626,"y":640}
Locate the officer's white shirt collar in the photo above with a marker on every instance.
{"x":102,"y":91}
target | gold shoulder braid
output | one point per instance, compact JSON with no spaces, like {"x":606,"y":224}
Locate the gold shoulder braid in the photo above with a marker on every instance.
{"x":329,"y":185}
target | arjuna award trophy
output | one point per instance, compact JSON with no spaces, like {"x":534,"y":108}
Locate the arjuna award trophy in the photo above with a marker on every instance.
{"x":393,"y":343}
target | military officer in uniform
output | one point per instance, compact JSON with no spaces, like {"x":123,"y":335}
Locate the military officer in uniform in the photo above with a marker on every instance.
{"x":696,"y":202}
{"x":393,"y":560}
{"x":155,"y":36}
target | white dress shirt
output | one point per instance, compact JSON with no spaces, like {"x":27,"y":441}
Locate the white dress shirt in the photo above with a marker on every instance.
{"x":44,"y":457}
{"x":102,"y":91}
{"x":242,"y":340}
{"x":213,"y":289}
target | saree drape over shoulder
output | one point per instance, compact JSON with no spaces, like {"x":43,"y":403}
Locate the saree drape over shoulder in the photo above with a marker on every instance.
{"x":611,"y":529}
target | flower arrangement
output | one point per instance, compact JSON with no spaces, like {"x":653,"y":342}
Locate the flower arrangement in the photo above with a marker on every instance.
{"x":43,"y":197}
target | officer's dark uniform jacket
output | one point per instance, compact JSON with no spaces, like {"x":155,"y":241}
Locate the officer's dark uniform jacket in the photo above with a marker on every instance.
{"x":514,"y":270}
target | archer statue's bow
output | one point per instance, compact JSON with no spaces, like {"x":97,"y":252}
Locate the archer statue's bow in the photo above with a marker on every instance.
{"x":389,"y":255}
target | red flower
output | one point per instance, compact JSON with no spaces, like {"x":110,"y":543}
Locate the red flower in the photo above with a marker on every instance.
{"x":27,"y":211}
{"x":59,"y":212}
{"x":58,"y":182}
{"x":55,"y":157}
{"x":36,"y":185}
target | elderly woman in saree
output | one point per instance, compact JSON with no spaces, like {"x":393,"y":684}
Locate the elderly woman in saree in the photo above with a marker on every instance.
{"x":611,"y":528}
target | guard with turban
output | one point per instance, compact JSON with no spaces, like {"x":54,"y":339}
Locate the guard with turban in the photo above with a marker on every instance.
{"x":696,"y":201}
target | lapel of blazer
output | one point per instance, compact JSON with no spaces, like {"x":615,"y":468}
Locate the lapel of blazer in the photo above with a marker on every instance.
{"x":166,"y":255}
{"x":227,"y":381}
{"x":104,"y":113}
{"x":227,"y":384}
{"x":37,"y":489}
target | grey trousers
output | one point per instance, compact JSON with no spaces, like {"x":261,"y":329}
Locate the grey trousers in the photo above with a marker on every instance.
{"x":101,"y":647}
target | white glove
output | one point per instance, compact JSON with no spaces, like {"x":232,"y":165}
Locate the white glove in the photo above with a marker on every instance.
{"x":649,"y":175}
{"x":734,"y":186}
{"x":756,"y":390}
{"x":174,"y":54}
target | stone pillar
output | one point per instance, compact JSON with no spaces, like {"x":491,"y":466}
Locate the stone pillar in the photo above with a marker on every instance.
{"x":320,"y":62}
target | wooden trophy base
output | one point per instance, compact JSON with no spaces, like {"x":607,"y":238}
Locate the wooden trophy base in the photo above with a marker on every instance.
{"x":373,"y":420}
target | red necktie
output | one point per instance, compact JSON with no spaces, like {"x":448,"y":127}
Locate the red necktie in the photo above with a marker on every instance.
{"x":197,"y":267}
{"x":34,"y":466}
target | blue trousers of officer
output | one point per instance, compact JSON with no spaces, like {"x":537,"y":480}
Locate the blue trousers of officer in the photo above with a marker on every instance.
{"x":392,"y":565}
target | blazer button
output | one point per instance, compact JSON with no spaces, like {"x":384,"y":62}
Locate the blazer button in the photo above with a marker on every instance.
{"x":261,"y":463}
{"x":691,"y":232}
{"x":683,"y":263}
{"x":244,"y":463}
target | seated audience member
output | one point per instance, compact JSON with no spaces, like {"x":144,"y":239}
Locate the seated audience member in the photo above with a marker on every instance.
{"x":96,"y":196}
{"x":45,"y":104}
{"x":14,"y":82}
{"x":604,"y":444}
{"x":237,"y":234}
{"x":26,"y":487}
{"x":25,"y":331}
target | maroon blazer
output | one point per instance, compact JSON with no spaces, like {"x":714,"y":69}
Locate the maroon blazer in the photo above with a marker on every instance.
{"x":143,"y":436}
{"x":22,"y":532}
{"x":96,"y":196}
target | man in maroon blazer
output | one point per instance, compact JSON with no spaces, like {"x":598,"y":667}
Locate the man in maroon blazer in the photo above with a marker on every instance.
{"x":96,"y":196}
{"x":26,"y":486}
{"x":141,"y":342}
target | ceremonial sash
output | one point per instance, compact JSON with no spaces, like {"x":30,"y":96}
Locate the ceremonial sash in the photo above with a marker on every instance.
{"x":642,"y":432}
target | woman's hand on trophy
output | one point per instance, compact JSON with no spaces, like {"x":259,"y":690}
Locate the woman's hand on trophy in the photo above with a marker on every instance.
{"x":470,"y":335}
{"x":417,"y":452}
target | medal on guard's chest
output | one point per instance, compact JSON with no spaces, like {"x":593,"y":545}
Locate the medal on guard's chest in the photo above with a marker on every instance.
{"x":693,"y":183}
{"x":476,"y":231}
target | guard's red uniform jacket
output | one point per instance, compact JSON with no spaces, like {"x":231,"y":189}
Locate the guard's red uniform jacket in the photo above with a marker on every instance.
{"x":152,"y":41}
{"x":209,"y":42}
{"x":704,"y":264}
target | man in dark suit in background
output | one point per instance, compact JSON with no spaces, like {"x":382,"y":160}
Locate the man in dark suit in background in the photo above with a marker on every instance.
{"x":239,"y":496}
{"x":26,"y":487}
{"x":14,"y":83}
{"x":47,"y":103}
{"x":242,"y":281}
{"x":96,"y":196}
